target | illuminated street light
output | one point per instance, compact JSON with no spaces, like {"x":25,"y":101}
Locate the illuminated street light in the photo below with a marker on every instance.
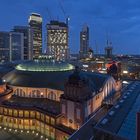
{"x":125,"y":72}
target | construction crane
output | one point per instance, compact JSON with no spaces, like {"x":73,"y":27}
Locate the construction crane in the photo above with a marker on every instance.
{"x":48,"y":11}
{"x":63,"y":11}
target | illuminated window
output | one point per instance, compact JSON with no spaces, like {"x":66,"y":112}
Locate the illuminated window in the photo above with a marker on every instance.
{"x":52,"y":135}
{"x":10,"y":112}
{"x":52,"y":121}
{"x":1,"y":110}
{"x":5,"y":111}
{"x":15,"y":113}
{"x":47,"y":119}
{"x":36,"y":93}
{"x":38,"y":115}
{"x":52,"y":96}
{"x":42,"y":117}
{"x":20,"y":113}
{"x":26,"y":114}
{"x":47,"y":130}
{"x":32,"y":114}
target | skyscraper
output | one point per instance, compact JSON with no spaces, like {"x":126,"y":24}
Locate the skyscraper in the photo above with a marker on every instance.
{"x":57,"y":40}
{"x":16,"y":46}
{"x":35,"y":22}
{"x":28,"y":40}
{"x":108,"y":50}
{"x":84,"y":41}
{"x":4,"y":47}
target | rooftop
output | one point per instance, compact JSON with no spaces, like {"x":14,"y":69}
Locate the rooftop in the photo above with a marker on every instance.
{"x":46,"y":106}
{"x":44,"y":65}
{"x":57,"y":23}
{"x":124,"y":113}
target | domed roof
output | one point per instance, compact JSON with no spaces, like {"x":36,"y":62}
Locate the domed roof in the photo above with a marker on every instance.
{"x":44,"y":65}
{"x":40,"y":74}
{"x":53,"y":75}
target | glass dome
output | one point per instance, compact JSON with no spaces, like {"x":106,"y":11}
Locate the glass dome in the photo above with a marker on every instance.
{"x":44,"y":65}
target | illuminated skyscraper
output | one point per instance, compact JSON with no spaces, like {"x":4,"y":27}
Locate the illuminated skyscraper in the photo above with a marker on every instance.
{"x":57,"y":40}
{"x":84,"y":42}
{"x":35,"y":22}
{"x":4,"y":46}
{"x":28,"y":41}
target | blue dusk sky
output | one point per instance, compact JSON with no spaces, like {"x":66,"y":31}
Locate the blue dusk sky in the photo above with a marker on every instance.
{"x":119,"y":18}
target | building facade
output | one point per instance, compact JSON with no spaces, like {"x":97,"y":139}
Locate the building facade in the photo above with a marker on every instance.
{"x":81,"y":99}
{"x":35,"y":22}
{"x":57,"y":40}
{"x":84,"y":42}
{"x":51,"y":98}
{"x":4,"y":47}
{"x":28,"y":41}
{"x":16,"y":46}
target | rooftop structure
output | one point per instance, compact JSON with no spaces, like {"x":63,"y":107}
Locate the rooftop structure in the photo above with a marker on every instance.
{"x":47,"y":65}
{"x":124,"y":113}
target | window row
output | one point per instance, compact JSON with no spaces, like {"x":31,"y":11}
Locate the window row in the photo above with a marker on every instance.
{"x":27,"y":114}
{"x":36,"y":94}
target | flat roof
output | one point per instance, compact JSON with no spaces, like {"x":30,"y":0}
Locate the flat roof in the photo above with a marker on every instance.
{"x":121,"y":119}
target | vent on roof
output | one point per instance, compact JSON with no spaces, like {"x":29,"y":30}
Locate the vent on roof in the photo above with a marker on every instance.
{"x":124,"y":97}
{"x":130,"y":90}
{"x":104,"y":121}
{"x":121,"y":101}
{"x":117,"y":106}
{"x":111,"y":113}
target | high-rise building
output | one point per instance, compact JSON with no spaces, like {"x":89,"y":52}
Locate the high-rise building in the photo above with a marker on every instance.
{"x":4,"y":47}
{"x":84,"y":42}
{"x":108,"y":50}
{"x":35,"y":22}
{"x":28,"y":41}
{"x":16,"y":46}
{"x":57,"y":40}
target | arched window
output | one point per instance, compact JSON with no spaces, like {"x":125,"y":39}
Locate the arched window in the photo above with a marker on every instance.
{"x":52,"y":96}
{"x":19,"y":92}
{"x":35,"y":93}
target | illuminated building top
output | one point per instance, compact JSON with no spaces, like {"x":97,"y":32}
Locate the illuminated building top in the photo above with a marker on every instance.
{"x":44,"y":66}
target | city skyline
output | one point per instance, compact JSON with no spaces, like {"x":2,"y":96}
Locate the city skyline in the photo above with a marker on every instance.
{"x":118,"y":19}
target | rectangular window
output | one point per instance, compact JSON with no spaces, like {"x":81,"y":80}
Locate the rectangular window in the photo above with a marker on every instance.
{"x":32,"y":114}
{"x":78,"y":114}
{"x":47,"y":119}
{"x":42,"y":117}
{"x":38,"y":115}
{"x":1,"y":110}
{"x":52,"y":121}
{"x":15,"y":113}
{"x":5,"y":111}
{"x":20,"y":113}
{"x":63,"y":109}
{"x":26,"y":114}
{"x":10,"y":112}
